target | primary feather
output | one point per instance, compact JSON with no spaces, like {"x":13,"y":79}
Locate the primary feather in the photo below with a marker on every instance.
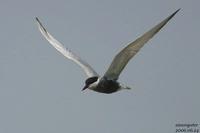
{"x":123,"y":57}
{"x":90,"y":72}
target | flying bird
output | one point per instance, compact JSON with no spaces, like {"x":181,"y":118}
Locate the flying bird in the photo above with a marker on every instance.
{"x":108,"y":83}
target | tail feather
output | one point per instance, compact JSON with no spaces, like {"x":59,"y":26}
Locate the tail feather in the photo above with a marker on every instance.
{"x":124,"y":87}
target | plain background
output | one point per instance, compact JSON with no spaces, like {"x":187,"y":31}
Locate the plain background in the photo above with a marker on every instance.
{"x":40,"y":90}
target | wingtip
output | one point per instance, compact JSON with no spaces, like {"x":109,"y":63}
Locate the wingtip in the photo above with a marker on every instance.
{"x":173,"y":14}
{"x":177,"y":11}
{"x":36,"y":18}
{"x":41,"y":27}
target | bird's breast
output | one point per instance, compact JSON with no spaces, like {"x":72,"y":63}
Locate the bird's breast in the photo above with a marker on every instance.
{"x":107,"y":86}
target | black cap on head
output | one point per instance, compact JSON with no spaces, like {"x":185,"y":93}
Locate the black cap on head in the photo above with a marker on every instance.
{"x":89,"y":81}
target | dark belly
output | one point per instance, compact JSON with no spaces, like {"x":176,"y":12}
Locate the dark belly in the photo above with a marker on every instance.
{"x":107,"y":86}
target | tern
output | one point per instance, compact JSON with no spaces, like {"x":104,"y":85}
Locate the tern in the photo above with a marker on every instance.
{"x":108,"y":83}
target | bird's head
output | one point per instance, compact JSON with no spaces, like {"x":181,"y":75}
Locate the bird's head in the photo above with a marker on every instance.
{"x":89,"y":82}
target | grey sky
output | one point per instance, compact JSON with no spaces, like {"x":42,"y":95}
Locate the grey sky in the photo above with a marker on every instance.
{"x":40,"y":90}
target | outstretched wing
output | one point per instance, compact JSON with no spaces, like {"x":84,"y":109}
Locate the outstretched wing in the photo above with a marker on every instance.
{"x":122,"y":58}
{"x":65,"y":51}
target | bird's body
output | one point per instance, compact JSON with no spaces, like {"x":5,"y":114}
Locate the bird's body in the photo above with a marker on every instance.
{"x":108,"y":83}
{"x":104,"y":85}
